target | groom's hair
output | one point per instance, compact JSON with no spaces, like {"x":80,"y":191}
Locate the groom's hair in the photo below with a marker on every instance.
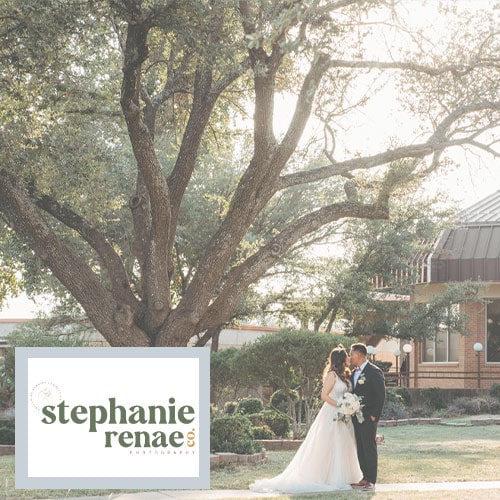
{"x":360,"y":348}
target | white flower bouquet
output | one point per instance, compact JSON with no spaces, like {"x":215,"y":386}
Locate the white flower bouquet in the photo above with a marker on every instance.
{"x":347,"y":406}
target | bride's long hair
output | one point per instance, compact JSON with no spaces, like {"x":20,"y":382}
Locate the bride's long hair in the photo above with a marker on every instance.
{"x":336,"y":363}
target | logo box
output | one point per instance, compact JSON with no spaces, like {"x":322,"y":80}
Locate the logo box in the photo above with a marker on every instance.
{"x":120,"y":418}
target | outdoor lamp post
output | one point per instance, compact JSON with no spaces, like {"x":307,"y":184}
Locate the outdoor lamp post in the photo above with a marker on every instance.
{"x":478,"y":347}
{"x":397,"y":353}
{"x":407,"y":348}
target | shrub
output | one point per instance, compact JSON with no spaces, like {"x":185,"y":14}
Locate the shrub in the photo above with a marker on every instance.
{"x":476,"y":406}
{"x":404,"y":393}
{"x":394,"y":410}
{"x":451,"y":411}
{"x":277,"y":422}
{"x":6,"y":396}
{"x":256,"y":419}
{"x":495,"y":391}
{"x":9,"y":423}
{"x":434,"y":398}
{"x":7,"y":435}
{"x":383,"y":365}
{"x":246,"y":406}
{"x":233,"y":434}
{"x":262,"y":432}
{"x":421,"y":411}
{"x":230,"y":408}
{"x":393,"y":397}
{"x":279,"y":401}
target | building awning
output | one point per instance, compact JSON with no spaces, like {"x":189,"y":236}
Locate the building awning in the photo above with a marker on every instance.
{"x":471,"y":250}
{"x":467,"y":253}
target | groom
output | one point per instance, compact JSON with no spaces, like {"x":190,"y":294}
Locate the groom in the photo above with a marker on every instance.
{"x":368,"y":383}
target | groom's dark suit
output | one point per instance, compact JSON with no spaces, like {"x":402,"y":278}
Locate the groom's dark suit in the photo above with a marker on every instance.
{"x":371,"y":388}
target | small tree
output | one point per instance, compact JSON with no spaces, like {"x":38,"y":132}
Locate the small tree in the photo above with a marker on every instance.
{"x":292,"y":360}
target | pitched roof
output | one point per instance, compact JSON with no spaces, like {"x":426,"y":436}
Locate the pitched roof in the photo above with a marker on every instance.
{"x":471,"y":250}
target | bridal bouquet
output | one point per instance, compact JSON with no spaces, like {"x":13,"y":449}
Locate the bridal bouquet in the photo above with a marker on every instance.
{"x":347,"y":406}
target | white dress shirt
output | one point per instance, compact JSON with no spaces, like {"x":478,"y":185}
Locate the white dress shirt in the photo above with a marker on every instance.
{"x":357,"y":372}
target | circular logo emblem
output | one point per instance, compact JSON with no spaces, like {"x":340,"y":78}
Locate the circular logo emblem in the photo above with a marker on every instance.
{"x":45,"y":393}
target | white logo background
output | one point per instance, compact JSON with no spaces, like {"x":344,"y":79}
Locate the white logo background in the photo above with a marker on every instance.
{"x":70,"y":450}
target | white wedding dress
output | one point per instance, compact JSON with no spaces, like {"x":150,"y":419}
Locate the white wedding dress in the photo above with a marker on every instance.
{"x":327,"y":459}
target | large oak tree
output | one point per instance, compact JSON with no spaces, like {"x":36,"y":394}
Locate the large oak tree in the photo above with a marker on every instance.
{"x":190,"y":70}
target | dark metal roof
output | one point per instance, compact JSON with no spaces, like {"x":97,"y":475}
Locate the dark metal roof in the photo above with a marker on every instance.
{"x":470,"y":251}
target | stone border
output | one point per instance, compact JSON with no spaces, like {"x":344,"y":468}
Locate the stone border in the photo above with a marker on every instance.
{"x":485,"y":421}
{"x":7,"y":449}
{"x":409,"y":421}
{"x":280,"y":444}
{"x":438,"y":421}
{"x":222,"y":459}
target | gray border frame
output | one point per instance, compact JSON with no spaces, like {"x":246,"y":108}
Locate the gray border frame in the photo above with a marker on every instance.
{"x":23,"y":481}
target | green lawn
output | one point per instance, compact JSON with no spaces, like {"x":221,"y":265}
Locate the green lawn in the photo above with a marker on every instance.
{"x":423,"y":453}
{"x":420,"y":453}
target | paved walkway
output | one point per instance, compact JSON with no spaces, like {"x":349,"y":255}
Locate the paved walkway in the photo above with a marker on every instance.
{"x":232,"y":494}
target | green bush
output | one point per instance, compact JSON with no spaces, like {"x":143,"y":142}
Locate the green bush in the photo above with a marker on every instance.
{"x":262,"y":432}
{"x":383,"y":365}
{"x":392,"y":396}
{"x":7,"y":435}
{"x":247,"y":406}
{"x":230,"y":408}
{"x":495,"y":391}
{"x":434,"y":398}
{"x":404,"y":393}
{"x":394,"y":410}
{"x":279,"y":402}
{"x":474,"y":406}
{"x":9,"y":423}
{"x":232,"y":434}
{"x":255,"y":418}
{"x":421,"y":411}
{"x":277,"y":422}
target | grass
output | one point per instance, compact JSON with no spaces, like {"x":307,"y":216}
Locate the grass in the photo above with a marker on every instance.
{"x":420,"y":453}
{"x":423,"y":453}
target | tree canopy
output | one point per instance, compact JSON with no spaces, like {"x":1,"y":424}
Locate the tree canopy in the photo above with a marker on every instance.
{"x":116,"y":114}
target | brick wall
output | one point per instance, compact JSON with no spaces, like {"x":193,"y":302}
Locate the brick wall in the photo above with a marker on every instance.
{"x":467,"y":366}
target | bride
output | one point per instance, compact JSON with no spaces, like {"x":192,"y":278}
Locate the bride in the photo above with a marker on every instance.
{"x":327,"y":459}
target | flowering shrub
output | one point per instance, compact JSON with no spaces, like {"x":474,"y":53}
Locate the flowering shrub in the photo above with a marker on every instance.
{"x":347,"y":406}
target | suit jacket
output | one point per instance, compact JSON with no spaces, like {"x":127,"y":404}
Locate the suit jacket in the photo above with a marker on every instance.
{"x":371,"y":388}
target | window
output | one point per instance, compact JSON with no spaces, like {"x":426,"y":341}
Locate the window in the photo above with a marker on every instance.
{"x":443,"y":348}
{"x":493,"y":331}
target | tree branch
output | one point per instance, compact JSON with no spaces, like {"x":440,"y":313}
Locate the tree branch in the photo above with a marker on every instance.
{"x":241,"y":276}
{"x":341,"y":168}
{"x":302,"y":110}
{"x":111,"y":261}
{"x":112,"y":318}
{"x":155,"y":202}
{"x":455,"y":69}
{"x":204,"y":98}
{"x":436,"y":143}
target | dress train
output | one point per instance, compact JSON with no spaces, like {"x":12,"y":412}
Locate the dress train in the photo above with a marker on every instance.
{"x":327,"y":459}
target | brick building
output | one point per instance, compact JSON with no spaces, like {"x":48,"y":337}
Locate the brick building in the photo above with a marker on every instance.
{"x":470,"y":251}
